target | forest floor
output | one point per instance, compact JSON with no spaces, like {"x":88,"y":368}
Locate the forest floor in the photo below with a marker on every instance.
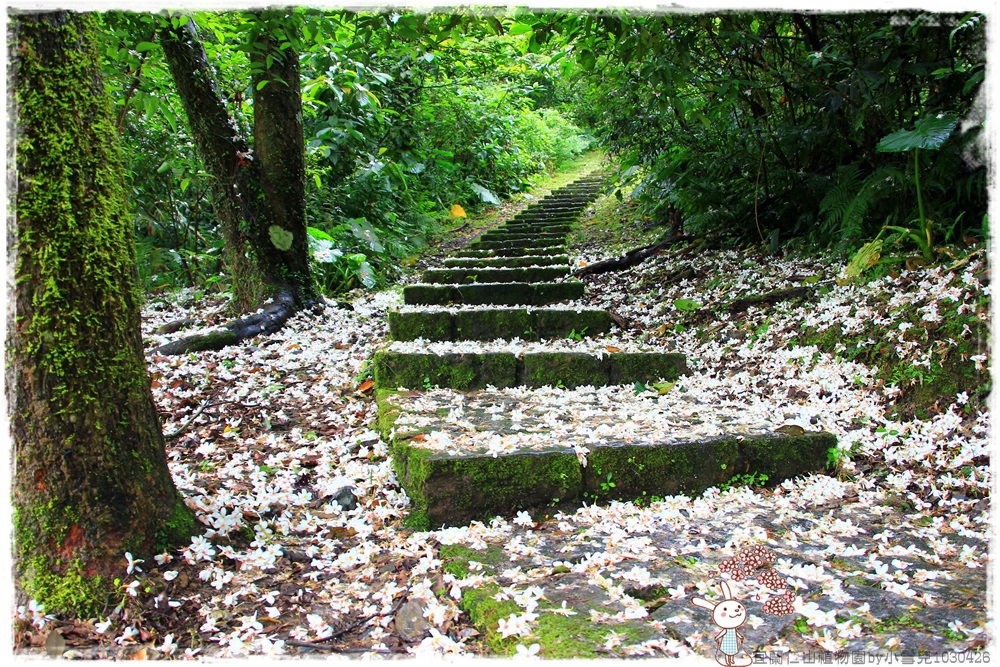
{"x":888,"y":552}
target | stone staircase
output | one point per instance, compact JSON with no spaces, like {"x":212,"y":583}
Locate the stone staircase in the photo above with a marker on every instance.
{"x":474,"y":391}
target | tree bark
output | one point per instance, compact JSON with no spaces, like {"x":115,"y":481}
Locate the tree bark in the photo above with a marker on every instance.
{"x":261,"y":194}
{"x":226,"y":154}
{"x":280,"y":151}
{"x":91,"y":479}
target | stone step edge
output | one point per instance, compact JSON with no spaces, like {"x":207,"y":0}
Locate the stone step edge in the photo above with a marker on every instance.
{"x":465,"y":371}
{"x":466,"y":276}
{"x":523,"y":260}
{"x":486,"y":253}
{"x":500,"y":294}
{"x":493,"y":323}
{"x":455,"y":490}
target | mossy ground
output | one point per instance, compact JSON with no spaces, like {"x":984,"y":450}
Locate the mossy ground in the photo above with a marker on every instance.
{"x":921,"y":388}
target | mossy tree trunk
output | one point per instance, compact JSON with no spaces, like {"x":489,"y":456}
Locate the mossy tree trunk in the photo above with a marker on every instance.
{"x":236,"y":195}
{"x":91,"y":479}
{"x":279,"y":147}
{"x":260,"y":193}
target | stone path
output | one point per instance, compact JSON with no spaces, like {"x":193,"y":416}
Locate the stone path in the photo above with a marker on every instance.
{"x":498,"y":395}
{"x":474,"y":391}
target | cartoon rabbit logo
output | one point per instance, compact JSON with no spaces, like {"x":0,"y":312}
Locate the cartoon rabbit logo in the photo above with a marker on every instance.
{"x":728,"y":615}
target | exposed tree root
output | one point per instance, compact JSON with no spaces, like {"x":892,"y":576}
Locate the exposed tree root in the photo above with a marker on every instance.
{"x":629,"y":259}
{"x":739,"y":305}
{"x":270,"y":319}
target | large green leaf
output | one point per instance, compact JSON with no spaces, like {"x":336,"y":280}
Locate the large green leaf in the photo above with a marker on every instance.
{"x":928,"y":133}
{"x":484,"y":194}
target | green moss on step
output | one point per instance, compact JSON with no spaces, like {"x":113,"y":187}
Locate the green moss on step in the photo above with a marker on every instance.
{"x":561,"y":323}
{"x":478,"y":488}
{"x":662,"y":471}
{"x":492,"y":324}
{"x":453,"y":371}
{"x":787,"y":456}
{"x":564,"y":369}
{"x":630,"y":367}
{"x":430,"y":325}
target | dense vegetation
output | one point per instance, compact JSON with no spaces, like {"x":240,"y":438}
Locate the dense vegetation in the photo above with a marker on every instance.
{"x":775,"y":126}
{"x":768,"y":127}
{"x":404,"y":117}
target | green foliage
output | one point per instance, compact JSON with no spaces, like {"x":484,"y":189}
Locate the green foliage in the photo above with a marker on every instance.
{"x":750,"y":123}
{"x":404,"y":115}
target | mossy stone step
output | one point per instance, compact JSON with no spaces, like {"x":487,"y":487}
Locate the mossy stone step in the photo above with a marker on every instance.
{"x":566,"y":199}
{"x":503,"y":245}
{"x":505,"y":275}
{"x":479,"y":253}
{"x":542,"y":218}
{"x":502,"y":234}
{"x":465,"y":371}
{"x":552,"y":209}
{"x":463,"y":469}
{"x":536,"y":225}
{"x":507,"y":262}
{"x":500,"y":294}
{"x":493,"y":323}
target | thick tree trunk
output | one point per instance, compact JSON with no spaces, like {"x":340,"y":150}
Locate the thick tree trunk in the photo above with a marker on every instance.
{"x":91,"y":479}
{"x":260,"y":194}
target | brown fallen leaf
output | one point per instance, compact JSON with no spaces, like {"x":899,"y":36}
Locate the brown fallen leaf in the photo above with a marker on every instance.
{"x":612,"y":348}
{"x":366,"y":386}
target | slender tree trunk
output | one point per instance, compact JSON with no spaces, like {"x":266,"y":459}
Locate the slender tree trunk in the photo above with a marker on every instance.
{"x":260,"y":194}
{"x":227,"y":156}
{"x":280,"y":151}
{"x":91,"y":479}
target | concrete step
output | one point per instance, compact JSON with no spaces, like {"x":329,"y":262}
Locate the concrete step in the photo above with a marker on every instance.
{"x":464,"y":371}
{"x":455,"y":276}
{"x":471,"y":456}
{"x":478,"y":252}
{"x":500,"y":294}
{"x":507,"y":262}
{"x":493,"y":323}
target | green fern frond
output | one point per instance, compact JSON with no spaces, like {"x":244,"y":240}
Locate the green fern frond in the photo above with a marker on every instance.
{"x":838,"y":199}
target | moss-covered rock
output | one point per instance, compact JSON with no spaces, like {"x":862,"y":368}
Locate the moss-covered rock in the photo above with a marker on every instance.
{"x":524,"y":243}
{"x":490,"y":324}
{"x":454,"y":490}
{"x":510,"y":252}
